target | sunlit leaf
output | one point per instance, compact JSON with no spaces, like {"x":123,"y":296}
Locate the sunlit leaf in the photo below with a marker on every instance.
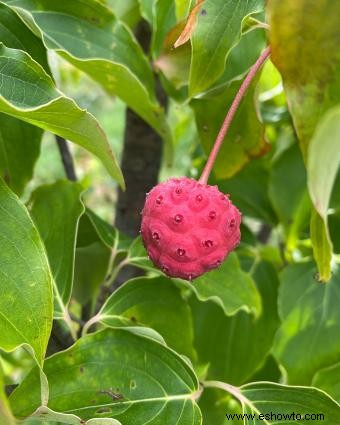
{"x":156,"y":303}
{"x":56,"y":210}
{"x":229,"y":287}
{"x":218,"y":29}
{"x":26,"y":301}
{"x":29,"y":94}
{"x":91,"y":38}
{"x":145,"y":383}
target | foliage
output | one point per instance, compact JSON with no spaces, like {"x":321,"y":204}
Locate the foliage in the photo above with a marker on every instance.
{"x":259,"y":335}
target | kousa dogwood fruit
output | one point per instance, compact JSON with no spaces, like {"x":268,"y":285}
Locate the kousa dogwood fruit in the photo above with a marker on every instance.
{"x":189,"y":228}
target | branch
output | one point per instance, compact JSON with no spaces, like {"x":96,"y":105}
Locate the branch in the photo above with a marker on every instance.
{"x":66,"y":158}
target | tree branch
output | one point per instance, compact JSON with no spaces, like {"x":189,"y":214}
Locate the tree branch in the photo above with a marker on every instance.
{"x":66,"y":158}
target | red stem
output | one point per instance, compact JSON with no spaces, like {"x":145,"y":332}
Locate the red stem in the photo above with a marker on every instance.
{"x":230,"y":115}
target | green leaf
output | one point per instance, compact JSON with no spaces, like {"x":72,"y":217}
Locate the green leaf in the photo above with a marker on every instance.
{"x":269,"y":371}
{"x":138,"y":257}
{"x":90,"y":271}
{"x":25,"y":280}
{"x":287,"y":183}
{"x":29,"y":94}
{"x":322,"y":168}
{"x":164,"y":18}
{"x":310,"y":318}
{"x":242,"y":56}
{"x":322,"y":246}
{"x":45,"y":415}
{"x":19,"y":141}
{"x":312,"y":86}
{"x":93,"y":228}
{"x":6,"y":417}
{"x":214,"y":405}
{"x":56,"y":210}
{"x":19,"y":150}
{"x":118,"y":374}
{"x":245,"y":139}
{"x":229,"y":287}
{"x":225,"y":342}
{"x":249,"y":191}
{"x":274,"y":399}
{"x":91,"y":38}
{"x":328,"y":380}
{"x":156,"y":303}
{"x":324,"y":160}
{"x":15,"y":34}
{"x":106,"y":233}
{"x":218,"y":30}
{"x":309,"y":65}
{"x":146,"y":8}
{"x":126,"y":11}
{"x":289,"y":195}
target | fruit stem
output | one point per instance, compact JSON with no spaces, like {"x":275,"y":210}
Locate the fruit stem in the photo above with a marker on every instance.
{"x":230,"y":115}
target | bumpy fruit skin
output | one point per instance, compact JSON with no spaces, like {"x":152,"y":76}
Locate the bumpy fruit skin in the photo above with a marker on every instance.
{"x":188,"y":228}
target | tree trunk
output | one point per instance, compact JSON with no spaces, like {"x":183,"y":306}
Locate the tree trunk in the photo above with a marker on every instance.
{"x":141,"y":161}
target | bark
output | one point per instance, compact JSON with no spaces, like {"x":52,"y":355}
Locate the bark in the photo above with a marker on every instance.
{"x":141,"y":161}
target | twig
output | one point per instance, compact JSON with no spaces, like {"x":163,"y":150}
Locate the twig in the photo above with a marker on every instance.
{"x":66,"y":158}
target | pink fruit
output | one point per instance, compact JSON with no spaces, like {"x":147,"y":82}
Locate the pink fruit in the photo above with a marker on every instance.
{"x":189,"y":228}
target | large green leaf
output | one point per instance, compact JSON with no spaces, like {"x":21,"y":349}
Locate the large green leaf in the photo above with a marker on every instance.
{"x":89,"y":36}
{"x":311,"y":75}
{"x":328,"y":379}
{"x":156,"y":303}
{"x":29,"y":94}
{"x":19,"y":141}
{"x":116,"y":373}
{"x":310,"y":317}
{"x":15,"y":34}
{"x":218,"y":30}
{"x":271,"y":399}
{"x":25,"y":280}
{"x":309,"y":65}
{"x":56,"y":210}
{"x":229,"y":287}
{"x":225,"y":343}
